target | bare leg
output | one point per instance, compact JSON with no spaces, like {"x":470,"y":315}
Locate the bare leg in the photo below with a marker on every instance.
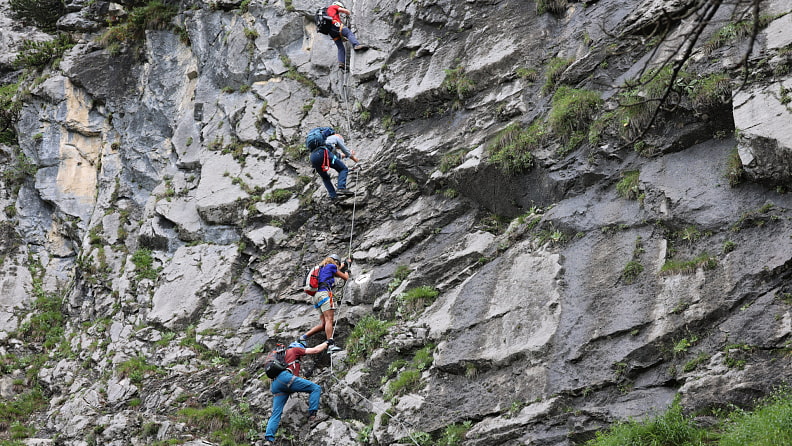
{"x":328,"y":323}
{"x":317,"y":328}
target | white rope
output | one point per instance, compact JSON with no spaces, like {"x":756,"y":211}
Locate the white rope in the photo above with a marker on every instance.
{"x":374,"y":405}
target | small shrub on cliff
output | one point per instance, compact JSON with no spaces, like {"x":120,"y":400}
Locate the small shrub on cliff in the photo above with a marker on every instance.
{"x":401,"y":273}
{"x":278,"y":196}
{"x":457,"y":83}
{"x":453,"y":434}
{"x":46,"y":325}
{"x":571,"y":115}
{"x":511,"y":149}
{"x":42,"y":13}
{"x":407,"y":381}
{"x":529,"y":74}
{"x":416,"y":299}
{"x":144,"y":264}
{"x":553,"y":6}
{"x":734,"y":168}
{"x":136,"y":369}
{"x":555,"y":68}
{"x":629,"y":187}
{"x":225,"y":425}
{"x":366,"y":337}
{"x":20,"y":170}
{"x":672,"y":266}
{"x":35,"y":54}
{"x":731,"y":32}
{"x":155,"y":15}
{"x":9,"y":113}
{"x":631,"y":271}
{"x":452,"y":159}
{"x":710,"y":91}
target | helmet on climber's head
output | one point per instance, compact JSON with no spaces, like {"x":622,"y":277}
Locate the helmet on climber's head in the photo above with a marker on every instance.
{"x":335,"y":257}
{"x":339,"y":4}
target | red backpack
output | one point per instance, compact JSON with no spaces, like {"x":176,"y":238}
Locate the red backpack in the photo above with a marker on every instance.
{"x":311,"y":283}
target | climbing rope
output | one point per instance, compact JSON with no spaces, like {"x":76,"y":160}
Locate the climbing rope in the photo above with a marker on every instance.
{"x":374,"y":406}
{"x":346,"y":75}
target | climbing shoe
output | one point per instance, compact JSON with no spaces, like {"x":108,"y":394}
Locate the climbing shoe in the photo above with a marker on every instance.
{"x":331,"y":347}
{"x":341,"y":65}
{"x":361,"y":47}
{"x":302,"y":339}
{"x":344,"y":191}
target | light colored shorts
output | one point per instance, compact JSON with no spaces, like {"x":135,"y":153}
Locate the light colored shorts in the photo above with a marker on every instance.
{"x":328,"y":304}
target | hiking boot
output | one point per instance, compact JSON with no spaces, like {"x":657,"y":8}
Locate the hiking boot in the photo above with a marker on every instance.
{"x":344,"y":191}
{"x":361,"y":47}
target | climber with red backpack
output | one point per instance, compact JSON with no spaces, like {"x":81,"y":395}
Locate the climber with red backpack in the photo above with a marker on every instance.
{"x":321,"y":142}
{"x":328,"y":21}
{"x":330,"y":268}
{"x":283,"y":367}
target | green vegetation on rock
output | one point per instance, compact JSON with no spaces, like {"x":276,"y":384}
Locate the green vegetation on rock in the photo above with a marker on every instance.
{"x":42,"y":13}
{"x":366,"y":337}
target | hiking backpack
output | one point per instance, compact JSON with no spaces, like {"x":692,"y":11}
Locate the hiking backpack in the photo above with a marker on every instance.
{"x":311,"y":282}
{"x":317,"y":136}
{"x":275,"y":362}
{"x":324,"y":23}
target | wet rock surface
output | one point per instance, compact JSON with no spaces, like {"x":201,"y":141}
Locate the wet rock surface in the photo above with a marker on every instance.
{"x":159,"y":200}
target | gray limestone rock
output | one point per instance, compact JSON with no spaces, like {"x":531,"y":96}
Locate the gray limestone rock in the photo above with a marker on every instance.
{"x":176,"y":148}
{"x":192,"y":276}
{"x":765,"y":137}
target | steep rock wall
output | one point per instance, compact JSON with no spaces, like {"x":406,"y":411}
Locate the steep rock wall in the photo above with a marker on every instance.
{"x":154,"y":218}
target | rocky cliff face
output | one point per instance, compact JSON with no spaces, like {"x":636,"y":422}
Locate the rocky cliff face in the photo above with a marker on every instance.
{"x":538,"y":253}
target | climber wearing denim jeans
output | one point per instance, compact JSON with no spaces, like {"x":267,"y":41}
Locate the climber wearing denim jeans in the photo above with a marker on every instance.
{"x":324,"y":156}
{"x":339,"y":32}
{"x":288,"y":382}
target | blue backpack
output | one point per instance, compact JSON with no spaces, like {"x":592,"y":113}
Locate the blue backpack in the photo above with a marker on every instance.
{"x":316,"y":137}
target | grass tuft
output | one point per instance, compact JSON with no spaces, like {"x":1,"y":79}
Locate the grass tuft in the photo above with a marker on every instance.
{"x":511,"y":149}
{"x":366,"y":337}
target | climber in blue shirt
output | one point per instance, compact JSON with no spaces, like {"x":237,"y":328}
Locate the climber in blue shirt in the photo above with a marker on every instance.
{"x":331,"y":267}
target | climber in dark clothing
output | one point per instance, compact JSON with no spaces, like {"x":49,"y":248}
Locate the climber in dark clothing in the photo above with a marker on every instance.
{"x":288,"y":382}
{"x":339,"y":32}
{"x":323,"y":156}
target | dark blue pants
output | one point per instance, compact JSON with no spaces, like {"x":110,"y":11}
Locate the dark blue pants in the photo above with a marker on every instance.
{"x":281,"y":390}
{"x":340,"y":42}
{"x":317,"y":157}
